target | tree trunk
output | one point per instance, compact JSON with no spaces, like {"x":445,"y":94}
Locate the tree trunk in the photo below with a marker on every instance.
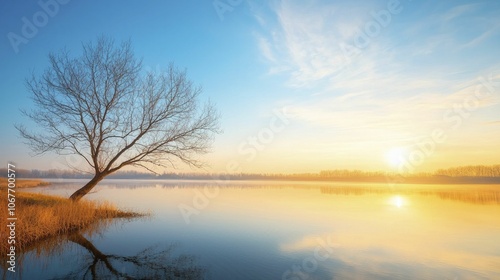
{"x":76,"y":196}
{"x":79,"y":239}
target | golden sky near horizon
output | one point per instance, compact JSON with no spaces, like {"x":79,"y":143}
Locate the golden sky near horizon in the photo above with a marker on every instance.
{"x":369,"y":85}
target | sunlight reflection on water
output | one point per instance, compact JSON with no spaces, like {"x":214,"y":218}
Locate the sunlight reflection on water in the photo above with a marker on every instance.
{"x":282,"y":230}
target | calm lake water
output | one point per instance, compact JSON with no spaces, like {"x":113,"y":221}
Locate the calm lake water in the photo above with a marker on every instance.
{"x":279,"y":230}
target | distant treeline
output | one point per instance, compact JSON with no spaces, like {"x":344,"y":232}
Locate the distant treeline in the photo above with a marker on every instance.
{"x":471,"y":171}
{"x":463,"y":174}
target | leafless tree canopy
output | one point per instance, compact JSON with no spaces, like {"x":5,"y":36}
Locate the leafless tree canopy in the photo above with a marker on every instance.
{"x":104,"y":108}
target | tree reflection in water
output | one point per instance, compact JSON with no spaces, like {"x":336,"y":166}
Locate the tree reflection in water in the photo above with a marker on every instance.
{"x":147,"y":264}
{"x":152,"y":263}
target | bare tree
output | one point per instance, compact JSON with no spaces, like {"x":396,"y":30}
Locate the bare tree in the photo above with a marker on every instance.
{"x":104,"y":108}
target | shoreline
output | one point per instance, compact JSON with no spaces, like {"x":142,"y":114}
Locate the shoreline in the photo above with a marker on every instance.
{"x":36,"y":217}
{"x":25,"y":183}
{"x":391,"y":180}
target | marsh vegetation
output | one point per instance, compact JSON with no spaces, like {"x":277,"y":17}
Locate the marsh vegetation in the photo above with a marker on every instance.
{"x":41,"y":216}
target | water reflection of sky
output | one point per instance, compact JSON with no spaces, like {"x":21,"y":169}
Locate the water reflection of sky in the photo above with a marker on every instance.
{"x":259,"y":230}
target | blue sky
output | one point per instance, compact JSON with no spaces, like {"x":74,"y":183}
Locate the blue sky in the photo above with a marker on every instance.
{"x":359,"y":84}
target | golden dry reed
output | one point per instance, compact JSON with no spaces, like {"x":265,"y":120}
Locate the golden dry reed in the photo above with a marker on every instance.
{"x":42,"y":216}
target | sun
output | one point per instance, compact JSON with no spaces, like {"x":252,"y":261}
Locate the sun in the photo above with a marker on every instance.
{"x":395,"y":157}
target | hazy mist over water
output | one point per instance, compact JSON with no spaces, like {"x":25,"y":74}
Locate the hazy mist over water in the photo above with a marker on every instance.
{"x":300,"y":230}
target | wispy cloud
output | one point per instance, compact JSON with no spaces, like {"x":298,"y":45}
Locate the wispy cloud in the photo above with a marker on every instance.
{"x":415,"y":113}
{"x":457,"y":11}
{"x":493,"y":123}
{"x":494,"y":29}
{"x":306,"y":40}
{"x":266,"y":48}
{"x":387,"y":84}
{"x":393,"y":91}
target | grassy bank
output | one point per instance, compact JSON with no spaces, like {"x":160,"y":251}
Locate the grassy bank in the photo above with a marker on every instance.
{"x":31,"y":183}
{"x":42,"y":216}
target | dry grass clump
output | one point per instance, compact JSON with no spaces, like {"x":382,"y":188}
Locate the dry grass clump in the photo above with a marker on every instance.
{"x":41,"y":216}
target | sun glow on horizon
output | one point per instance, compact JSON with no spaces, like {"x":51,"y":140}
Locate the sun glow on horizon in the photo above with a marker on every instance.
{"x":396,"y":157}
